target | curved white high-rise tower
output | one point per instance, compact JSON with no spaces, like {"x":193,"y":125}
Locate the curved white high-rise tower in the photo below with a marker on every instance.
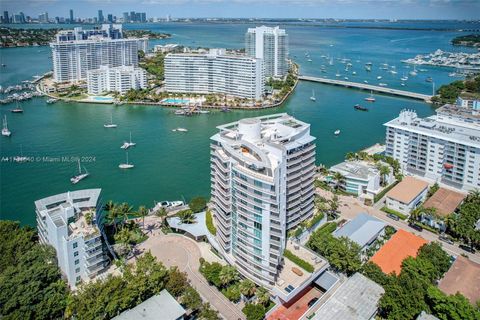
{"x":262,"y":172}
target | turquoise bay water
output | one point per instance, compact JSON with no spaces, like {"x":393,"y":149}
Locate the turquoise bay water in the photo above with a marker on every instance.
{"x":171,"y":165}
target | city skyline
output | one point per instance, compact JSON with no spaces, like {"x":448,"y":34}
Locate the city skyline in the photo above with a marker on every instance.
{"x":339,"y":9}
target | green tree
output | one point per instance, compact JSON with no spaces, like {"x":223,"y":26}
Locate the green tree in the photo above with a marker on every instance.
{"x":207,"y":313}
{"x":191,"y":299}
{"x":232,"y":293}
{"x":177,"y":282}
{"x":462,"y":225}
{"x":247,"y":288}
{"x":339,"y":180}
{"x":161,"y":213}
{"x":211,"y":272}
{"x":453,"y":307}
{"x":254,"y":311}
{"x":31,"y":286}
{"x":228,"y":274}
{"x":434,"y":253}
{"x":334,"y":204}
{"x":186,"y":216}
{"x":113,"y":215}
{"x":373,"y":272}
{"x":263,"y":296}
{"x":142,"y":213}
{"x":197,"y":204}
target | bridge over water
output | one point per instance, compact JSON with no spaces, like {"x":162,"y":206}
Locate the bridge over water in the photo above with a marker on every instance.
{"x":369,"y":87}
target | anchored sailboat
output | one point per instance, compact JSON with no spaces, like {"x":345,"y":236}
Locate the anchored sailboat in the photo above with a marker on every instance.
{"x":126,"y":165}
{"x":111,"y":124}
{"x":5,"y":131}
{"x":128,"y":144}
{"x":313,"y":96}
{"x":80,"y":176}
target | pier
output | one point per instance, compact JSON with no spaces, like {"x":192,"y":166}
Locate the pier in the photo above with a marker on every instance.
{"x":369,"y":87}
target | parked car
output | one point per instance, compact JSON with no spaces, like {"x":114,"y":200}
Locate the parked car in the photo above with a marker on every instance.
{"x":415,"y":226}
{"x":467,"y":248}
{"x":445,"y":239}
{"x":392,"y":216}
{"x":312,"y":302}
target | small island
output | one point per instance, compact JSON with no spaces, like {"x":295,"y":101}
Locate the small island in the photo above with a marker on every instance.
{"x":471,"y":40}
{"x":145,"y":34}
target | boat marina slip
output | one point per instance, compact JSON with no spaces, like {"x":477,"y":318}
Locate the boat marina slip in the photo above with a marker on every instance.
{"x":172,"y":153}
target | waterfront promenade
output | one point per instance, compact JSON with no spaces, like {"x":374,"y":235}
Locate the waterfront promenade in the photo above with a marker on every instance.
{"x":369,"y":87}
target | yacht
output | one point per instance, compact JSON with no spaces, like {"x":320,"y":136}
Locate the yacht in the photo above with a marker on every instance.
{"x":309,"y":60}
{"x":180,"y":130}
{"x":126,"y":165}
{"x":404,"y":78}
{"x":354,"y":72}
{"x":379,"y":77}
{"x":80,"y":176}
{"x":429,"y":79}
{"x":402,"y":84}
{"x":111,"y":124}
{"x":337,"y":74}
{"x":128,"y":144}
{"x":346,"y":78}
{"x":5,"y":131}
{"x":336,"y":132}
{"x":365,"y":81}
{"x":371,"y":98}
{"x":313,"y":96}
{"x":413,"y":72}
{"x":17,"y":109}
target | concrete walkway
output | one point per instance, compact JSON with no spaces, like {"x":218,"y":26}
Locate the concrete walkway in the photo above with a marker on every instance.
{"x":183,"y":252}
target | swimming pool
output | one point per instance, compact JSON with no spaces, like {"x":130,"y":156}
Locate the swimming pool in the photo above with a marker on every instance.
{"x":176,"y":101}
{"x":102,"y":98}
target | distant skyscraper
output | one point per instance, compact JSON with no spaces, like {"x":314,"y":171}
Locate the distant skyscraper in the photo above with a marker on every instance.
{"x":132,"y":15}
{"x":110,"y":18}
{"x":125,"y":17}
{"x":271,"y":45}
{"x":6,"y":19}
{"x":71,"y":16}
{"x":100,"y":16}
{"x":144,"y":17}
{"x":43,"y":17}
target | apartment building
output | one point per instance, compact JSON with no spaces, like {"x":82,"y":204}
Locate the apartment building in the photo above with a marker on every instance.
{"x":444,"y":147}
{"x":68,"y":222}
{"x":74,"y":52}
{"x":262,"y":172}
{"x":214,"y":72}
{"x":116,"y":79}
{"x":270,"y":45}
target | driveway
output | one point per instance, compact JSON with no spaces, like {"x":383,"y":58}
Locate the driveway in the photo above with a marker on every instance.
{"x":183,"y":252}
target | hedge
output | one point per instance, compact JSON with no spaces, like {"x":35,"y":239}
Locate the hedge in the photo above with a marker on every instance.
{"x":209,"y":221}
{"x":395,"y":213}
{"x":316,"y":219}
{"x":384,"y":192}
{"x":298,"y":261}
{"x":328,"y":227}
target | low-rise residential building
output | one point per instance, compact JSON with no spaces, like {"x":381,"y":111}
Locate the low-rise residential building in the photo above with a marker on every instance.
{"x":469,"y":102}
{"x":361,"y":178}
{"x":161,"y":306}
{"x":464,"y":277}
{"x":215,"y":72}
{"x":364,"y":229}
{"x":166,"y":48}
{"x":445,"y":202}
{"x":401,"y":245}
{"x":356,"y":299}
{"x":68,"y":222}
{"x":116,"y":79}
{"x":407,"y":195}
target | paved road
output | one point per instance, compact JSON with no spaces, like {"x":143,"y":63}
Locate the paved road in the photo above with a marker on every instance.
{"x":350,"y":207}
{"x":177,"y":250}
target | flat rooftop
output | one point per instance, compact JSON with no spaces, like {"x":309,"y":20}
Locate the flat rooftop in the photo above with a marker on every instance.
{"x":464,"y":277}
{"x":363,"y":229}
{"x":356,"y":299}
{"x":444,"y":201}
{"x":401,"y":245}
{"x":407,"y":190}
{"x":357,"y":169}
{"x":458,"y":111}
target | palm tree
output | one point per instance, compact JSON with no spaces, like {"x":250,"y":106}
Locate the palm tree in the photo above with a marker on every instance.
{"x":263,"y":296}
{"x":186,"y":216}
{"x":161,"y":213}
{"x":228,"y":274}
{"x":109,"y":205}
{"x":334,"y":203}
{"x":142,"y":212}
{"x":125,"y":210}
{"x":247,"y":288}
{"x":123,"y":237}
{"x":339,"y":178}
{"x":113,"y":215}
{"x":350,"y":156}
{"x":384,"y":171}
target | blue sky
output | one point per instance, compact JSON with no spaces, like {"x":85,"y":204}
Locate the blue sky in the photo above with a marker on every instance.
{"x":356,"y":9}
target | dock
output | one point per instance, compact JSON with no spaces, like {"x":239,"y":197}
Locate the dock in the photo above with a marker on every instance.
{"x":368,"y":87}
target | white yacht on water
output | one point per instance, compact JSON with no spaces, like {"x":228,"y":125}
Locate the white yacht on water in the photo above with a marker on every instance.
{"x":80,"y":176}
{"x":313,"y":96}
{"x":5,"y":131}
{"x":128,"y":144}
{"x":336,"y":132}
{"x":111,"y":124}
{"x":126,"y":165}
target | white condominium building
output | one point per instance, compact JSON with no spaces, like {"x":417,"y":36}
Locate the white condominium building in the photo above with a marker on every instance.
{"x":262,"y":172}
{"x":214,"y":72}
{"x":270,"y":45}
{"x":116,"y":79}
{"x":76,"y":51}
{"x":68,"y":222}
{"x":444,"y":147}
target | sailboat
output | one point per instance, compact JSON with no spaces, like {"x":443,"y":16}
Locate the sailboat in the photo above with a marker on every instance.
{"x":20,"y":158}
{"x":331,"y":62}
{"x":5,"y":131}
{"x":126,"y":165}
{"x":313,"y":96}
{"x":17,"y":109}
{"x":371,"y":98}
{"x":414,"y":71}
{"x":80,"y":176}
{"x":127,"y":144}
{"x":111,"y":124}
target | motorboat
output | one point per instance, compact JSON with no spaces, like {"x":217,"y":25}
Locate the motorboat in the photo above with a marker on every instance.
{"x":379,"y":77}
{"x":126,"y":165}
{"x":80,"y":176}
{"x":336,"y":132}
{"x":381,"y":84}
{"x":359,"y":107}
{"x":429,"y":79}
{"x":180,"y":130}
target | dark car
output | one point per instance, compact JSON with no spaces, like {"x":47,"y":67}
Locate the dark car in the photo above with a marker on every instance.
{"x":392,"y":216}
{"x":467,"y":248}
{"x":312,"y":302}
{"x":415,"y":226}
{"x":445,"y":239}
